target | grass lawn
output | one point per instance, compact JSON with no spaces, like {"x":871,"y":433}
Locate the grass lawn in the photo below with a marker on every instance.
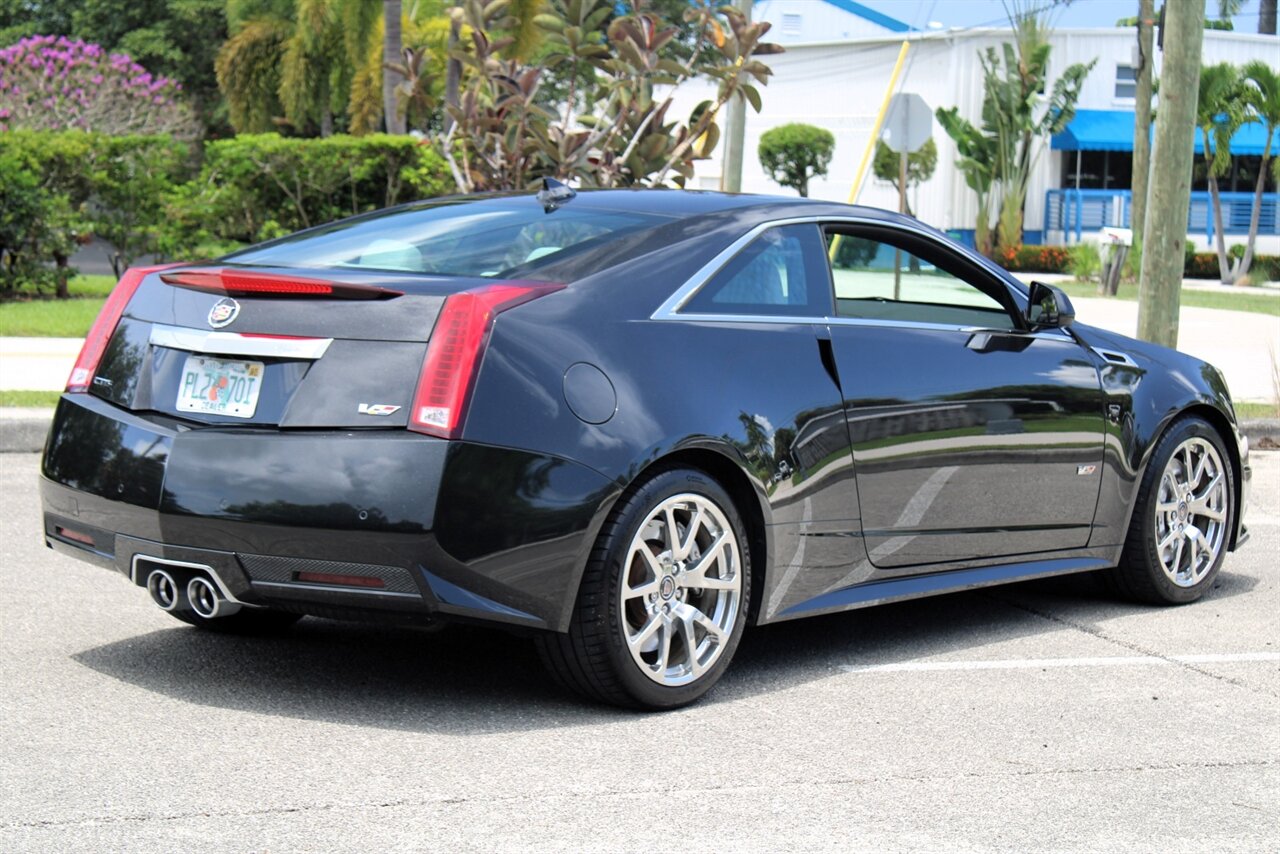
{"x":1254,"y":302}
{"x":1257,"y":410}
{"x":55,"y":318}
{"x":39,"y":399}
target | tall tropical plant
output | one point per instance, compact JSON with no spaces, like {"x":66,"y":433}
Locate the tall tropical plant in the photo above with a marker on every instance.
{"x":1262,"y":94}
{"x":1220,"y":111}
{"x":977,"y":163}
{"x":1019,"y":119}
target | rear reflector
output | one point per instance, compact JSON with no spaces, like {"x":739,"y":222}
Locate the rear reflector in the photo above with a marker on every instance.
{"x":454,"y":352}
{"x":242,"y":283}
{"x":344,"y":580}
{"x":95,"y":343}
{"x":75,"y":536}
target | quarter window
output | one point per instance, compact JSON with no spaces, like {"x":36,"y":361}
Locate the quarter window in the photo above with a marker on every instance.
{"x":877,"y":280}
{"x":781,"y":272}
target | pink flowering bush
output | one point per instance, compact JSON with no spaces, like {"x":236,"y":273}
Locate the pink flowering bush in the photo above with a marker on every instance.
{"x":55,"y":83}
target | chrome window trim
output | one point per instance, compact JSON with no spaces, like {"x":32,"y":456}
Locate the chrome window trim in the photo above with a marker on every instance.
{"x":670,"y":309}
{"x":235,"y":344}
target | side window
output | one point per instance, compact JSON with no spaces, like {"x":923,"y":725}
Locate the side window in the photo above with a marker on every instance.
{"x":877,"y":280}
{"x":781,"y":272}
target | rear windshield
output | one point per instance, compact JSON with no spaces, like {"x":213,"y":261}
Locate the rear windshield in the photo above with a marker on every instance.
{"x":490,"y":237}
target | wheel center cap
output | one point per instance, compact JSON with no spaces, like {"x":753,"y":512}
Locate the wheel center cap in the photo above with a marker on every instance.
{"x":667,"y":588}
{"x":1182,"y":511}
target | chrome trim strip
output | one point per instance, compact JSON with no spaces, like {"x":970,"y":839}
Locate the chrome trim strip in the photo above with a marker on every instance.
{"x":669,"y":310}
{"x":213,"y":574}
{"x":235,"y":344}
{"x":337,"y":588}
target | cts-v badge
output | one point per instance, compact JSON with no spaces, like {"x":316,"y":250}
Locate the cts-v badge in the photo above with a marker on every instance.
{"x":376,"y":409}
{"x":223,"y":312}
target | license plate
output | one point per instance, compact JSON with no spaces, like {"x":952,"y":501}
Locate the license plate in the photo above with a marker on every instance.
{"x":218,"y":387}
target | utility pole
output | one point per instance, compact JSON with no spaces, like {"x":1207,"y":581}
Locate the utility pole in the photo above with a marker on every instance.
{"x":1160,"y":285}
{"x":1267,"y":17}
{"x":735,"y":127}
{"x":391,"y":55}
{"x":1142,"y":114}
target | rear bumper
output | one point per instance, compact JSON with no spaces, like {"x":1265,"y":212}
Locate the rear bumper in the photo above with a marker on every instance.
{"x":447,"y":529}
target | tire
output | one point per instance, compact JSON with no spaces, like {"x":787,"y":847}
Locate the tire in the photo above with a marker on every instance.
{"x":1175,"y":547}
{"x":638,"y":586}
{"x":246,"y":621}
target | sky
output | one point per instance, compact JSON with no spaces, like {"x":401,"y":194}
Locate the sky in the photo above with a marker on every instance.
{"x":1079,"y":13}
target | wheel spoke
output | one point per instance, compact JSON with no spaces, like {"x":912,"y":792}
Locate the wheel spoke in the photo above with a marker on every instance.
{"x":1206,"y":493}
{"x":645,"y":589}
{"x":1168,"y":540}
{"x":637,"y":640}
{"x":673,"y":532}
{"x":697,"y":574}
{"x":1166,"y":506}
{"x":1194,"y":479}
{"x":1191,"y":541}
{"x":664,"y":648}
{"x":1177,"y":555}
{"x":688,"y":635}
{"x":1205,"y":546}
{"x":695,"y":522}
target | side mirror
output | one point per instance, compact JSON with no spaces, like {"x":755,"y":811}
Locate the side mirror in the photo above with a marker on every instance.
{"x":1049,"y":307}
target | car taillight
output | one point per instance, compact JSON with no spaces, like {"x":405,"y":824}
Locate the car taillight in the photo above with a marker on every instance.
{"x":240,"y":283}
{"x":454,"y":353}
{"x":95,"y":343}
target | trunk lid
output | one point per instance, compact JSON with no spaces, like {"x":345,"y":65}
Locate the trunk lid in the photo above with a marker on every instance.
{"x":308,"y":358}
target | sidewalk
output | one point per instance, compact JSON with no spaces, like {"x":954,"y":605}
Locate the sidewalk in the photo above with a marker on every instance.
{"x":37,"y":364}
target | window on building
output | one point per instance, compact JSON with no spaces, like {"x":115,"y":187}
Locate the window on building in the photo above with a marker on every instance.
{"x":791,"y":24}
{"x":1126,"y":81}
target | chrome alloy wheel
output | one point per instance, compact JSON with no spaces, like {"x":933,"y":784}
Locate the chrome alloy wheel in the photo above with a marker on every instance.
{"x":1191,"y":512}
{"x":680,"y":589}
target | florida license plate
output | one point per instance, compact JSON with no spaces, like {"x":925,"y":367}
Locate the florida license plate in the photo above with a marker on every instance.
{"x":219,"y":387}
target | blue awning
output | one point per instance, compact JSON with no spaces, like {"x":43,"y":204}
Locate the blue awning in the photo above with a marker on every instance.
{"x":1112,"y":130}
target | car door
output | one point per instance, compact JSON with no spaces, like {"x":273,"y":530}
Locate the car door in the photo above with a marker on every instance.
{"x":973,"y":437}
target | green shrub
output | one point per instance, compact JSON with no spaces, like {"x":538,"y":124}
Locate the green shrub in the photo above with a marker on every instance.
{"x":260,"y":186}
{"x":1202,"y":265}
{"x":794,"y":154}
{"x":79,"y":184}
{"x":1035,"y":259}
{"x":1086,"y":262}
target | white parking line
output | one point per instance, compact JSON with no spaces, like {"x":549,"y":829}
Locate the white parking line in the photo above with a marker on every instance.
{"x":1037,"y":663}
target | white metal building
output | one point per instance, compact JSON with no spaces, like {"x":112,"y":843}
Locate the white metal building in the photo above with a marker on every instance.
{"x":838,"y":81}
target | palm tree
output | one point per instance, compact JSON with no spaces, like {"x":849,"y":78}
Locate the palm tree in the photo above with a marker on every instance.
{"x":1262,"y":94}
{"x":1220,"y":110}
{"x":391,"y":60}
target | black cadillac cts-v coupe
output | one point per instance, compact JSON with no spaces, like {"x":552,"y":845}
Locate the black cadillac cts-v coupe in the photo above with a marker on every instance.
{"x":631,"y":423}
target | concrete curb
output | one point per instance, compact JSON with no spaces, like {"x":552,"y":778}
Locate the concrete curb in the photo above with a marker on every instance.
{"x":23,"y":431}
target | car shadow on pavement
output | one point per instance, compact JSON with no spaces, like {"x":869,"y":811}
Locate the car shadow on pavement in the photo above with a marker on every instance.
{"x":466,"y":680}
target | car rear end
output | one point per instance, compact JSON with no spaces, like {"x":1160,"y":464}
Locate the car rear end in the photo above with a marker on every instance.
{"x":250,"y":435}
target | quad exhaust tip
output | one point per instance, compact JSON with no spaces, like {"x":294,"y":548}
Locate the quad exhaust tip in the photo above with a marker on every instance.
{"x":164,"y":590}
{"x":207,"y":601}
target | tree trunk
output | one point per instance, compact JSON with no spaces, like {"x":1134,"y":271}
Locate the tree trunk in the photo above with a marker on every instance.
{"x":391,"y":55}
{"x":1267,"y":17}
{"x":453,"y":71}
{"x":1220,"y":239}
{"x":982,"y":228}
{"x":63,"y":273}
{"x":1142,"y":117}
{"x":1261,"y":184}
{"x":735,"y":129}
{"x":1169,"y":197}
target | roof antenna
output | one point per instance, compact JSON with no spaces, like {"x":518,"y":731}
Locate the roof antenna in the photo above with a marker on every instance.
{"x":554,"y":194}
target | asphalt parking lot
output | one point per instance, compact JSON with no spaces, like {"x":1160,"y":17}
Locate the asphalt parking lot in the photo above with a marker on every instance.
{"x":1043,"y":716}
